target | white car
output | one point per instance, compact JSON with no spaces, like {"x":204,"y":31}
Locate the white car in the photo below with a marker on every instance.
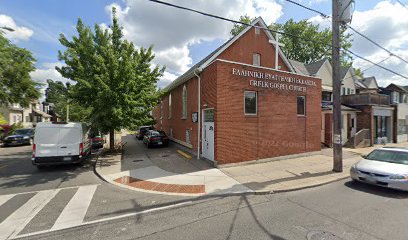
{"x":385,"y":167}
{"x":60,"y":143}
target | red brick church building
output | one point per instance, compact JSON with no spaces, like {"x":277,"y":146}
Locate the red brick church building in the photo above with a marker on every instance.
{"x":238,"y":105}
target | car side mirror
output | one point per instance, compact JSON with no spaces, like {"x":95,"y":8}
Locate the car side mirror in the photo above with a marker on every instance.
{"x":364,"y":156}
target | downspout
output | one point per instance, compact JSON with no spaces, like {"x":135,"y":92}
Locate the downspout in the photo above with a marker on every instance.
{"x":198,"y":113}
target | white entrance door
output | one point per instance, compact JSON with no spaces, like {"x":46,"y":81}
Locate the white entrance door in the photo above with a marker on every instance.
{"x":208,"y":134}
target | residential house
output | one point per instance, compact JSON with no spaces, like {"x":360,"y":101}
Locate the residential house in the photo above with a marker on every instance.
{"x":28,"y":117}
{"x":323,"y":70}
{"x":399,"y":99}
{"x":376,"y":116}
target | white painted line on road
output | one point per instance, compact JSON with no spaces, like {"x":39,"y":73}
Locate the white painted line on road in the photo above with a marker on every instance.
{"x":74,"y":212}
{"x":16,"y":222}
{"x":106,"y":219}
{"x":5,"y":198}
{"x":19,"y":193}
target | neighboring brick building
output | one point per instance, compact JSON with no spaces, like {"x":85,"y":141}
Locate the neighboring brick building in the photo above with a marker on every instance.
{"x":248,"y":110}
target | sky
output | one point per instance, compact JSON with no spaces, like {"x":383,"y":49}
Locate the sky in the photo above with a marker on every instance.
{"x":181,"y":39}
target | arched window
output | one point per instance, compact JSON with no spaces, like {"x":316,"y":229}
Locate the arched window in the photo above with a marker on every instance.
{"x":184,"y":99}
{"x":170,"y":105}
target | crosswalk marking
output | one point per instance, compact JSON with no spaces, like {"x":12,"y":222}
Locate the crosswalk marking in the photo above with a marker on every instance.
{"x":74,"y":212}
{"x":5,"y":198}
{"x":16,"y":222}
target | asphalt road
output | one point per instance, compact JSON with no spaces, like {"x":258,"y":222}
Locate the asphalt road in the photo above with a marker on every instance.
{"x":33,"y":200}
{"x":341,"y":210}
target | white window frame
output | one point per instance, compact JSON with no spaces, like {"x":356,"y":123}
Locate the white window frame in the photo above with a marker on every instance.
{"x":256,"y":103}
{"x":184,"y":102}
{"x":304,"y":106}
{"x":257,"y":31}
{"x":256,"y":57}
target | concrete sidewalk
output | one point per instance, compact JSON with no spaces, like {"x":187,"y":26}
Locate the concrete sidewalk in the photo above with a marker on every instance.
{"x":163,"y":170}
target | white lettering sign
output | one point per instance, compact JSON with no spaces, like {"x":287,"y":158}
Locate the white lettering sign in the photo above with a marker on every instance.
{"x":280,"y":82}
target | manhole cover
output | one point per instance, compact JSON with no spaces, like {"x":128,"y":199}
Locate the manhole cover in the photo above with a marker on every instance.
{"x":165,"y":155}
{"x":138,"y":160}
{"x":321,"y":235}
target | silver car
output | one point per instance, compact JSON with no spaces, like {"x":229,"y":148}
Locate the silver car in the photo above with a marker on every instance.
{"x":385,"y":167}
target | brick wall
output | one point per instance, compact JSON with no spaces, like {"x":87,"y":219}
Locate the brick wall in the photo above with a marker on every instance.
{"x":276,"y":130}
{"x":242,"y":50}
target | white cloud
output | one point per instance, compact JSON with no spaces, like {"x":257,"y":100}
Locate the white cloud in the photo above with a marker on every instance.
{"x":19,"y":33}
{"x":171,"y":31}
{"x":166,"y":79}
{"x":386,"y":24}
{"x":47,"y":71}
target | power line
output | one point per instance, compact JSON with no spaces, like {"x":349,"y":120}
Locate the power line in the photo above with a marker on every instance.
{"x":267,"y":29}
{"x":367,"y":60}
{"x":377,"y":63}
{"x":405,"y":6}
{"x":351,"y":28}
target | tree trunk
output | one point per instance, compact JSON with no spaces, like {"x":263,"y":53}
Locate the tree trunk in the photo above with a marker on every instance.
{"x":112,"y":139}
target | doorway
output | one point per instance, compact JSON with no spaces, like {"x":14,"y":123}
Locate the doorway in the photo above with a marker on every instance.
{"x":208,"y":134}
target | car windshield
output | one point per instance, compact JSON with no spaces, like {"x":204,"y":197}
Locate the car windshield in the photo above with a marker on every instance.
{"x":400,"y":157}
{"x":154,"y":134}
{"x":23,"y":131}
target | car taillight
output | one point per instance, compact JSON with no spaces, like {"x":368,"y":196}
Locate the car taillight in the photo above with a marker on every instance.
{"x":98,"y":139}
{"x":154,"y":138}
{"x":34,"y":147}
{"x":81,"y":149}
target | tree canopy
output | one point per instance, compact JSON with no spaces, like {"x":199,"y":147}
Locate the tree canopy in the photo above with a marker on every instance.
{"x":304,"y":41}
{"x":16,"y":85}
{"x":57,"y":93}
{"x":112,"y":77}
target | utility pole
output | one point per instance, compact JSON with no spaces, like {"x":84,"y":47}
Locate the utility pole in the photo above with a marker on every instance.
{"x":67,"y":120}
{"x":337,"y":140}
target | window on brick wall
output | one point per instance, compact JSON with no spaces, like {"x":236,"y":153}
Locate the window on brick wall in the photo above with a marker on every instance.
{"x":301,"y":105}
{"x":184,"y":99}
{"x":251,"y":103}
{"x":170,"y":105}
{"x":256,"y":59}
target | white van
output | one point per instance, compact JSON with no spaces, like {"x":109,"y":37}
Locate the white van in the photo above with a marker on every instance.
{"x":60,"y":143}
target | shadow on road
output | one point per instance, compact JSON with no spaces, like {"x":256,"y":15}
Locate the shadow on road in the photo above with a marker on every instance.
{"x":376,"y":190}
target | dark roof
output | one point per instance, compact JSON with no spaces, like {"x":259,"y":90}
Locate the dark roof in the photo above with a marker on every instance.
{"x":299,"y":67}
{"x":313,"y":68}
{"x":343,"y":72}
{"x":370,"y":82}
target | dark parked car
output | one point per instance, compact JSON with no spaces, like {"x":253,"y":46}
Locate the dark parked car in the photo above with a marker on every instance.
{"x":155,"y":138}
{"x":97,"y":141}
{"x":142,"y":131}
{"x":20,"y":137}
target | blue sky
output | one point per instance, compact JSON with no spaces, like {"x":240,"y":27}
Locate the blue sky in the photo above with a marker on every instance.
{"x":181,"y":39}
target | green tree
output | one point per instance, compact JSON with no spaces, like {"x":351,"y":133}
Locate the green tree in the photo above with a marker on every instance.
{"x":2,"y":120}
{"x":113,"y":78}
{"x":303,"y":40}
{"x":16,"y":85}
{"x":237,"y":28}
{"x":58,"y":94}
{"x":305,"y":43}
